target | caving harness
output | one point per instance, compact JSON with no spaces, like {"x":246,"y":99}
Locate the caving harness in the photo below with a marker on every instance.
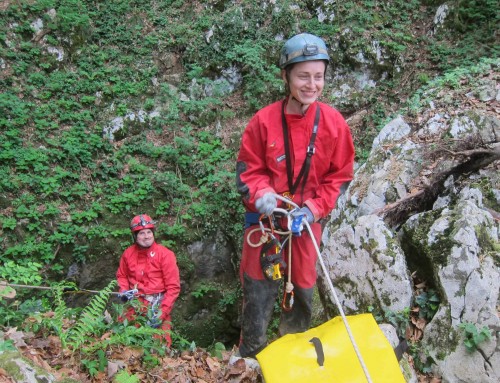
{"x":153,"y":310}
{"x":128,"y":295}
{"x":271,"y":255}
{"x":271,"y":259}
{"x":154,"y":301}
{"x":295,"y":225}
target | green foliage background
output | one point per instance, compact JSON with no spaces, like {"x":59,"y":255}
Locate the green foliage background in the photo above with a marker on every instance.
{"x":67,"y":192}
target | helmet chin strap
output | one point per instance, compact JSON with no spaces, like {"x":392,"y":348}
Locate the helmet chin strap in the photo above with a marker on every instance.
{"x":303,"y":107}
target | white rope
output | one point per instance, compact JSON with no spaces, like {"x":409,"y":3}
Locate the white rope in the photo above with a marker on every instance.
{"x":330,"y":284}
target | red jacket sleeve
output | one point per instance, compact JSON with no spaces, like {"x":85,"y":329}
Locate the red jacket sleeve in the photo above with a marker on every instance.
{"x":172,"y":284}
{"x":254,"y":178}
{"x":123,"y":272}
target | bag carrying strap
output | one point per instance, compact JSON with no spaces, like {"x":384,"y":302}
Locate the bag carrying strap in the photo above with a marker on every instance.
{"x":318,"y":346}
{"x":399,"y":350}
{"x":304,"y":171}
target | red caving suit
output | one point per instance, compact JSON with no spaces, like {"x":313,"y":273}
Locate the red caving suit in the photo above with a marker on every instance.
{"x":152,"y":270}
{"x":261,"y":168}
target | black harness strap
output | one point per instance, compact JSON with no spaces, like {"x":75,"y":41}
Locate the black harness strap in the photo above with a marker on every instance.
{"x":304,"y":171}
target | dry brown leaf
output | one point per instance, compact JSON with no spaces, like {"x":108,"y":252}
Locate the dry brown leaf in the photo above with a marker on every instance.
{"x":408,"y":332}
{"x":100,"y":377}
{"x":141,"y":376}
{"x":16,"y":336}
{"x":114,"y":366}
{"x":192,"y":364}
{"x":40,"y":361}
{"x":55,"y":344}
{"x":199,"y":372}
{"x":5,"y":379}
{"x":6,"y":291}
{"x":40,"y":343}
{"x":213,"y":364}
{"x":417,"y":334}
{"x":237,"y":368}
{"x":131,"y":354}
{"x":420,"y":323}
{"x":185,"y":355}
{"x":106,"y":335}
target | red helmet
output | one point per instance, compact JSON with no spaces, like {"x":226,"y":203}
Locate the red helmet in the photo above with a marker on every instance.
{"x":141,"y":222}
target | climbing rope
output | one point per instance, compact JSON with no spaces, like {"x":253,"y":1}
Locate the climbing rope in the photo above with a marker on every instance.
{"x":66,"y":289}
{"x":327,"y":277}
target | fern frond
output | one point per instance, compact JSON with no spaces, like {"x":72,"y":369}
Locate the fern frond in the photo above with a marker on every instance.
{"x":59,"y":313}
{"x":91,"y":318}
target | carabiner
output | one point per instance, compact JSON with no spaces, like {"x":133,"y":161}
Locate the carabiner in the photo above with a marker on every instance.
{"x":271,"y":224}
{"x":290,"y":301}
{"x":288,"y":196}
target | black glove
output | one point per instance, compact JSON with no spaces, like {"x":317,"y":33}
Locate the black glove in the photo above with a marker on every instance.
{"x":125,"y":296}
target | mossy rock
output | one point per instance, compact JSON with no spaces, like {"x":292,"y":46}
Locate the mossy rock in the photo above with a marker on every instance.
{"x":22,"y":369}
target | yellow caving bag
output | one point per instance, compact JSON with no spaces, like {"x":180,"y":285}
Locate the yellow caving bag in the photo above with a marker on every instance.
{"x":302,"y":358}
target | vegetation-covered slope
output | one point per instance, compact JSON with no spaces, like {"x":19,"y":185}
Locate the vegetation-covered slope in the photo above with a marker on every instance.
{"x":70,"y":69}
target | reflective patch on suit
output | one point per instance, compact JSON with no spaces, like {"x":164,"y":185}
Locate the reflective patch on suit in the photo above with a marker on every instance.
{"x":281,"y":158}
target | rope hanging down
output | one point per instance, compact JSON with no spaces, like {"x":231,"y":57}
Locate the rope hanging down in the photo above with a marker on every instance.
{"x":325,"y":272}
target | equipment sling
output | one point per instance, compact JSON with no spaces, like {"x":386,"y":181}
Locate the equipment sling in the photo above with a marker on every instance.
{"x":304,"y":171}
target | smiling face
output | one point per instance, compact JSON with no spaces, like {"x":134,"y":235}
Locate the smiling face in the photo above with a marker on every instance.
{"x":145,"y":238}
{"x":306,"y":81}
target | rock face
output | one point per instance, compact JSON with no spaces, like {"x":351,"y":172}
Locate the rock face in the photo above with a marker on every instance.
{"x":377,"y":255}
{"x":23,"y":370}
{"x":426,"y":202}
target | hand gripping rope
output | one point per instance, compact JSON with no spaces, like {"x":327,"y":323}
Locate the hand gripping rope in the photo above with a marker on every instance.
{"x":269,"y":232}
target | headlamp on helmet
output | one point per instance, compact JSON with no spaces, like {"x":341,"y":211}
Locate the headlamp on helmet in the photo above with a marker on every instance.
{"x":141,"y":222}
{"x":303,"y":47}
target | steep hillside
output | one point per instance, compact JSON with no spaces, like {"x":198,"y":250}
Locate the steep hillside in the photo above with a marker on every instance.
{"x":110,"y":109}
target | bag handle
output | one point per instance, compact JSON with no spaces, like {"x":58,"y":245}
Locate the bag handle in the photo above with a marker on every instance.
{"x":319,"y":350}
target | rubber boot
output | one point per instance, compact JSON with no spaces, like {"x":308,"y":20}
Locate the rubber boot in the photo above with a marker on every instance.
{"x":259,"y":297}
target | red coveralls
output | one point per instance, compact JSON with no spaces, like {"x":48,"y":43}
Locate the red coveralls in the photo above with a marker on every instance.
{"x":261,"y":168}
{"x":152,"y":270}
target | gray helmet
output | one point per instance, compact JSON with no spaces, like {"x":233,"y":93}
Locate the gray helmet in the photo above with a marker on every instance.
{"x":303,"y":47}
